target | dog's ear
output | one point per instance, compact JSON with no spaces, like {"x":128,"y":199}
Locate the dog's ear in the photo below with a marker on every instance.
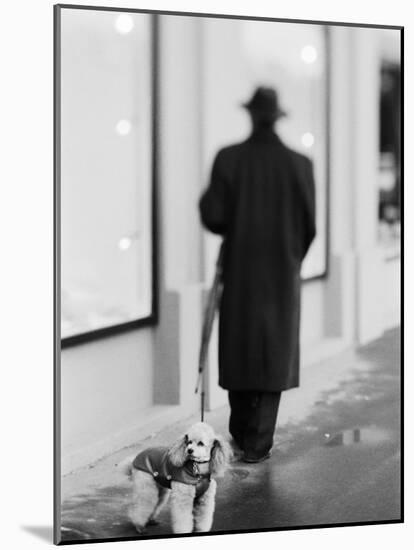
{"x":177,"y":452}
{"x":220,"y":456}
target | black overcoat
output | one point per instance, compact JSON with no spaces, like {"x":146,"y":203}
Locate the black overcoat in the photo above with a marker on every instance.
{"x":261,"y":198}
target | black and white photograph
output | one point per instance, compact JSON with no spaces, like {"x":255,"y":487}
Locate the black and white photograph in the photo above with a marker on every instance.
{"x":228,"y":199}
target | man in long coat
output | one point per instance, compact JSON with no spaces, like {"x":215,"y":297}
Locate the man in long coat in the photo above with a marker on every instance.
{"x":261,"y":199}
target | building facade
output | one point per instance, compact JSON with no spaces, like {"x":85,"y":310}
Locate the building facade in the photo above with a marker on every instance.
{"x":118,"y":389}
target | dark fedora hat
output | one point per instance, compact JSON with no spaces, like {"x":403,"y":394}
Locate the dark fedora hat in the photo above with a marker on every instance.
{"x":265,"y":101}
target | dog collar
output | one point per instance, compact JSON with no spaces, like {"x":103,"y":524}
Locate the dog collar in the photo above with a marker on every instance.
{"x":193,"y":468}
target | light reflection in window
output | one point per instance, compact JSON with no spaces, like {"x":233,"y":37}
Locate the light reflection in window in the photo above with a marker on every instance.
{"x":309,"y":54}
{"x":123,"y":127}
{"x":124,"y":23}
{"x":307,"y":140}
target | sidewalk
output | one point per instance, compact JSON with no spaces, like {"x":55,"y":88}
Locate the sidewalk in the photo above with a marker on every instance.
{"x":336,"y":458}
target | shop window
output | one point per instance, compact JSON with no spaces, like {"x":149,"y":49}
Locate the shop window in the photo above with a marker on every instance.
{"x":390,"y":152}
{"x":105,"y":176}
{"x":293,"y":58}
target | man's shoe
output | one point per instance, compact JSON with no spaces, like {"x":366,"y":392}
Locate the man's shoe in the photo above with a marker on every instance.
{"x":254,"y":460}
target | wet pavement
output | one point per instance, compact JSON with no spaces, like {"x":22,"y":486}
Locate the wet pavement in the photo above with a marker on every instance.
{"x":337,"y":462}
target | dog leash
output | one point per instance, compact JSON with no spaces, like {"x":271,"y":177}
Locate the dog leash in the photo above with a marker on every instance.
{"x":209,"y":314}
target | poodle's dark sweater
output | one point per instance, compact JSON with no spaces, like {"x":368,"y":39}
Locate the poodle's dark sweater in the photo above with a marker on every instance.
{"x":156,"y":462}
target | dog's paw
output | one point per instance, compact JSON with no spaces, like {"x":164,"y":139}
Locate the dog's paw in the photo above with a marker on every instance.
{"x":140,"y":530}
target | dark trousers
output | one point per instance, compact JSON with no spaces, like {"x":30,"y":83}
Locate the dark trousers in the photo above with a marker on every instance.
{"x":253,"y":420}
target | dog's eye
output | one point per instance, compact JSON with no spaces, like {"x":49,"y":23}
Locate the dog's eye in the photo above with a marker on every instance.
{"x":200,"y":444}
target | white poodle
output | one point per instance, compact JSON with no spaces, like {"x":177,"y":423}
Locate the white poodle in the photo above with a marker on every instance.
{"x":183,"y":471}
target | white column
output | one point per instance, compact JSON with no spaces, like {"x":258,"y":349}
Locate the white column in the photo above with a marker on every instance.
{"x":339,"y":290}
{"x":177,"y":337}
{"x":180,"y":170}
{"x":369,"y":256}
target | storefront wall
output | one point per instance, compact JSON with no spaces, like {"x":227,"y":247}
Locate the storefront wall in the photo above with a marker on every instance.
{"x":155,"y":369}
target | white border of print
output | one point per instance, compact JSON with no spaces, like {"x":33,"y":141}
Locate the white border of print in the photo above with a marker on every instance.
{"x":27,"y":276}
